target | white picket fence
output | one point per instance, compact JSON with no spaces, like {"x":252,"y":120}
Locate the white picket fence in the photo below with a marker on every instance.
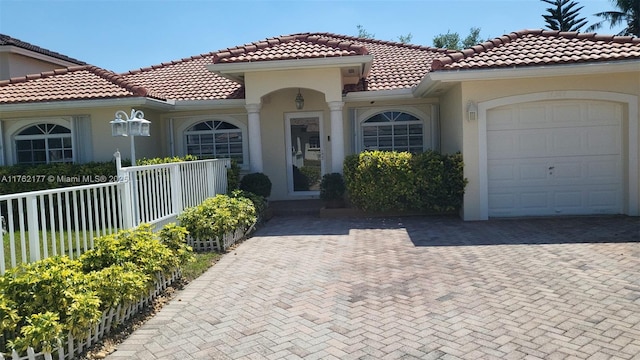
{"x":65,"y":221}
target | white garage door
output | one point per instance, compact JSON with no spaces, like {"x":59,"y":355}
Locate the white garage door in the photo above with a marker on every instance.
{"x":555,"y":158}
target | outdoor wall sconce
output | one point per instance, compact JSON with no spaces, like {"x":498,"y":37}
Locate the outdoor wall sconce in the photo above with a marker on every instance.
{"x":132,"y":125}
{"x":472,"y":110}
{"x":299,"y":101}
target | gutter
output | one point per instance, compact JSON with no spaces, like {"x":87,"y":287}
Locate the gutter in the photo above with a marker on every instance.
{"x":92,"y":103}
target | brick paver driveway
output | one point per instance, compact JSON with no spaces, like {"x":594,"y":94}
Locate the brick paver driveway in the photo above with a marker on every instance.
{"x":422,"y":288}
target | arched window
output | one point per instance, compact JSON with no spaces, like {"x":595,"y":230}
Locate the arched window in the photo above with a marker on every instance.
{"x":393,"y":131}
{"x":43,"y":144}
{"x":215,"y":139}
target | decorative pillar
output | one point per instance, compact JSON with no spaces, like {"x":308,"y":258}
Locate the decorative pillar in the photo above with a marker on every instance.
{"x":255,"y":138}
{"x":337,"y":136}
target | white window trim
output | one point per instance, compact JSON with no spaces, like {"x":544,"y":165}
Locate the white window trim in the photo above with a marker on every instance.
{"x":362,"y":115}
{"x":188,"y":122}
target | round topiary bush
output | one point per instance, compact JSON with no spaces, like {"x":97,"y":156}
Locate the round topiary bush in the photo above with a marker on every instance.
{"x":257,"y":183}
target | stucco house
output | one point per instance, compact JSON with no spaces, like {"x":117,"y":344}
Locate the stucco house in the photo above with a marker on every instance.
{"x":547,"y":122}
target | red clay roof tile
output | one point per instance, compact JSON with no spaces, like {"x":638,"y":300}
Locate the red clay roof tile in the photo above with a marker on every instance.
{"x":541,"y":47}
{"x":74,"y":83}
{"x":394,"y":65}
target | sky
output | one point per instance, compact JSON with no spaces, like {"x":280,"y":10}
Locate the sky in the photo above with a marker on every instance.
{"x":127,"y":35}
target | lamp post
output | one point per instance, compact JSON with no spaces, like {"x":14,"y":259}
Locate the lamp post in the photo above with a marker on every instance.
{"x":130,"y":125}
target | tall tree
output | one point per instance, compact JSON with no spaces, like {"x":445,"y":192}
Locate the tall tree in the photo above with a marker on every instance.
{"x":627,"y":14}
{"x":563,"y":16}
{"x":449,"y":41}
{"x":472,"y":39}
{"x":405,"y":39}
{"x":363,"y":33}
{"x":452,"y":41}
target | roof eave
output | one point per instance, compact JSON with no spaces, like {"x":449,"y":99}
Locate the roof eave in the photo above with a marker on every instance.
{"x":183,"y":105}
{"x":89,"y":103}
{"x":529,"y":72}
{"x":236,"y":71}
{"x":377,"y":95}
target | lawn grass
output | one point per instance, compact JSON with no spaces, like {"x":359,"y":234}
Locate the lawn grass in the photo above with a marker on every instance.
{"x":203,"y":261}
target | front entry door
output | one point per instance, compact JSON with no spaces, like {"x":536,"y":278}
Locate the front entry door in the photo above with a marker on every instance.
{"x":305,"y":161}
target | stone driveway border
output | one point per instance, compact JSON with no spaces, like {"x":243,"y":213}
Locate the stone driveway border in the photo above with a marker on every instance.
{"x":411,"y":288}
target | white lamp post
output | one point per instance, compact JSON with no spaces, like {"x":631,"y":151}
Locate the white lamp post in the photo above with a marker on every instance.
{"x":132,"y":125}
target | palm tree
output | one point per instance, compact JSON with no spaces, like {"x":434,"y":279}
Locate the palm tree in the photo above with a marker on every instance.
{"x":563,"y":16}
{"x":628,"y":13}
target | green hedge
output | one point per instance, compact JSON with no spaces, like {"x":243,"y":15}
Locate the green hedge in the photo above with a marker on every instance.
{"x":41,"y":302}
{"x":217,"y":216}
{"x":398,"y":181}
{"x":23,"y":178}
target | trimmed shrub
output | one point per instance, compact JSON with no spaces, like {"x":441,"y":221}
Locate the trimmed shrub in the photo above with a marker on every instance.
{"x":165,"y":160}
{"x":381,"y":181}
{"x":257,"y":183}
{"x":397,"y":181}
{"x":217,"y":216}
{"x":259,"y":202}
{"x":43,"y":301}
{"x":332,"y":187}
{"x":22,"y":178}
{"x":233,"y":177}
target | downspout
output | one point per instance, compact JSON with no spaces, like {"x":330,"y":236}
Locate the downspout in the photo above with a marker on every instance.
{"x":171,"y":147}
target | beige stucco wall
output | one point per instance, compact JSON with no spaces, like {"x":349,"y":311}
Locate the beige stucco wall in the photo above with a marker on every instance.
{"x":260,"y":83}
{"x":482,"y":91}
{"x":94,"y":141}
{"x":15,"y":65}
{"x":451,"y":121}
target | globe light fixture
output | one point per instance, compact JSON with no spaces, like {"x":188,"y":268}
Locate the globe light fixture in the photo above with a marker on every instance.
{"x":130,"y":125}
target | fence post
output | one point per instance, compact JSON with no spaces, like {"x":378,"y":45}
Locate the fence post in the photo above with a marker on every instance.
{"x":176,"y":189}
{"x":211,"y":178}
{"x":124,"y":191}
{"x":32,"y":222}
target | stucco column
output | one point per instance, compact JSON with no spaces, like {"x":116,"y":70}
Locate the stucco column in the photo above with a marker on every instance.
{"x":337,"y":136}
{"x":255,"y":138}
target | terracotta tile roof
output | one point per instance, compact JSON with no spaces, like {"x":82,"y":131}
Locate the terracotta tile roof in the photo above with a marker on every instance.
{"x":541,"y":47}
{"x":394,"y":66}
{"x":6,"y":40}
{"x":292,"y":47}
{"x":74,"y":83}
{"x":186,"y":79}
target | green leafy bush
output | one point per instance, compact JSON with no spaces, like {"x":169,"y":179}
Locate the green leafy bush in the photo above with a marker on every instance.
{"x":217,"y":216}
{"x":43,"y":301}
{"x":391,"y":181}
{"x":259,"y":202}
{"x":381,"y":181}
{"x":51,"y":297}
{"x":332,"y":187}
{"x":138,"y":246}
{"x":12,"y":178}
{"x":233,"y":177}
{"x":165,"y":160}
{"x":257,"y":183}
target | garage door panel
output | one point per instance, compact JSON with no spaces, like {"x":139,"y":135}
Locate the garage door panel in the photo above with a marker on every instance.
{"x":555,"y":157}
{"x":558,"y":114}
{"x":516,"y":144}
{"x":602,"y":140}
